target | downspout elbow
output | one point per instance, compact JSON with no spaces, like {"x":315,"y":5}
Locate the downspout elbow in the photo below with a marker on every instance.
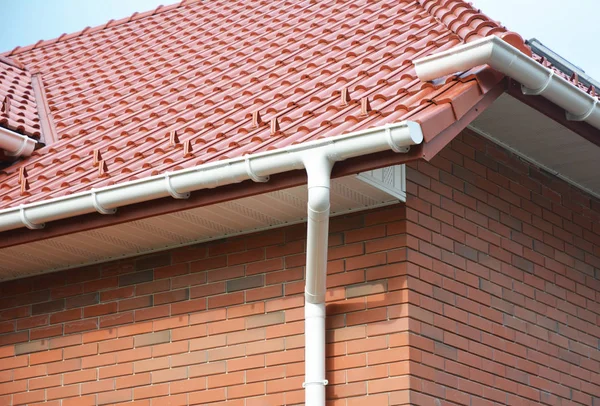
{"x":318,"y":169}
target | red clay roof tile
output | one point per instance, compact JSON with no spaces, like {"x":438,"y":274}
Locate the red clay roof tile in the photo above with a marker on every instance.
{"x":196,"y":82}
{"x":18,"y":109}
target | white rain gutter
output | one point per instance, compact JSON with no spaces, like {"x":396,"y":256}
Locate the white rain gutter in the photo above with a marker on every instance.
{"x":318,"y":157}
{"x":16,"y":144}
{"x":535,"y":78}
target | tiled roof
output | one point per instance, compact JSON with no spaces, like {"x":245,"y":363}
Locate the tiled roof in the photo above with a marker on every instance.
{"x":207,"y":80}
{"x":18,"y":109}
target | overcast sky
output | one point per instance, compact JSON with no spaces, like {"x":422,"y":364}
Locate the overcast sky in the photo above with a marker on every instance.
{"x":569,"y":29}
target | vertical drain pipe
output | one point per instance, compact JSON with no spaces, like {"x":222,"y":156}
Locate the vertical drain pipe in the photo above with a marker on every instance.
{"x":318,"y":169}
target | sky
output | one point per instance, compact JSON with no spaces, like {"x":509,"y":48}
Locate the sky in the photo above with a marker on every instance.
{"x":563,"y":28}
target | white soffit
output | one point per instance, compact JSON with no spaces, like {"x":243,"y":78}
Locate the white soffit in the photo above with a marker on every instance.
{"x":271,"y":210}
{"x":542,"y":141}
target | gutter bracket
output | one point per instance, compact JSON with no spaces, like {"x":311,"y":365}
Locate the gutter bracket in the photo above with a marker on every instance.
{"x":540,"y":90}
{"x":251,"y":174}
{"x":324,"y":382}
{"x":26,"y":221}
{"x":584,"y":116}
{"x":99,"y":208}
{"x":174,"y":194}
{"x":391,"y":143}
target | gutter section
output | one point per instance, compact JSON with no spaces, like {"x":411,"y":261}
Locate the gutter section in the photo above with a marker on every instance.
{"x":535,"y":78}
{"x":397,"y":136}
{"x":16,"y":144}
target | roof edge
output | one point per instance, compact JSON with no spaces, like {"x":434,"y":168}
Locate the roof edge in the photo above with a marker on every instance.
{"x":257,"y":167}
{"x":535,"y":78}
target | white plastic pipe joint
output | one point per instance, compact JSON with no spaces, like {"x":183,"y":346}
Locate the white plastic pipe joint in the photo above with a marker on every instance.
{"x":318,"y":168}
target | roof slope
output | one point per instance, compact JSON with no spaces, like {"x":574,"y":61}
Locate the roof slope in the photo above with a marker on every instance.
{"x":201,"y":81}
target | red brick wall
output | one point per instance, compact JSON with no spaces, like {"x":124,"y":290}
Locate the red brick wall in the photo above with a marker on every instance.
{"x":483,"y":289}
{"x":504,"y":276}
{"x":215,"y":322}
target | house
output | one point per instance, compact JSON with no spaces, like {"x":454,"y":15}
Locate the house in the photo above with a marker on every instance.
{"x":284,"y":203}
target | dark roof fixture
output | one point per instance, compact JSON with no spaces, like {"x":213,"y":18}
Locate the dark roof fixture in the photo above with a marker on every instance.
{"x":561,"y":63}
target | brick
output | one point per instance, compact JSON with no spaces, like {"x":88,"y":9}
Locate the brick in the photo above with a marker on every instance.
{"x":100,"y":284}
{"x":213,"y":368}
{"x":169,"y":375}
{"x":366,"y":289}
{"x":152,"y":338}
{"x":246,"y":256}
{"x":82,"y":325}
{"x":83,"y":300}
{"x":135,"y":278}
{"x":80,"y":376}
{"x":245,"y":310}
{"x":99,"y":310}
{"x":45,"y":382}
{"x":97,"y":386}
{"x":89,"y":400}
{"x":245,"y":283}
{"x":67,"y":315}
{"x":135,"y":303}
{"x":81,"y":351}
{"x":153,"y":312}
{"x":162,"y":285}
{"x":265,"y":320}
{"x":130,"y":381}
{"x":116,"y":319}
{"x":122,"y":395}
{"x":153,"y":261}
{"x":217,"y":381}
{"x":172,"y":296}
{"x":48,"y":307}
{"x":28,"y":397}
{"x":22,"y":324}
{"x":226,"y":300}
{"x":115,"y":294}
{"x":45,"y":357}
{"x":99,"y":335}
{"x":34,"y":346}
{"x":268,"y":292}
{"x":189,"y":306}
{"x":64,"y":366}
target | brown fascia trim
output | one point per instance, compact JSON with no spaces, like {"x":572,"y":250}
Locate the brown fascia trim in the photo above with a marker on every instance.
{"x":443,"y":138}
{"x":48,"y":130}
{"x":554,"y":112}
{"x":286,"y":180}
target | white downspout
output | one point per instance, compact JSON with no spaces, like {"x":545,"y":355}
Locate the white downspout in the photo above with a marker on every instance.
{"x":16,"y":144}
{"x":318,"y":169}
